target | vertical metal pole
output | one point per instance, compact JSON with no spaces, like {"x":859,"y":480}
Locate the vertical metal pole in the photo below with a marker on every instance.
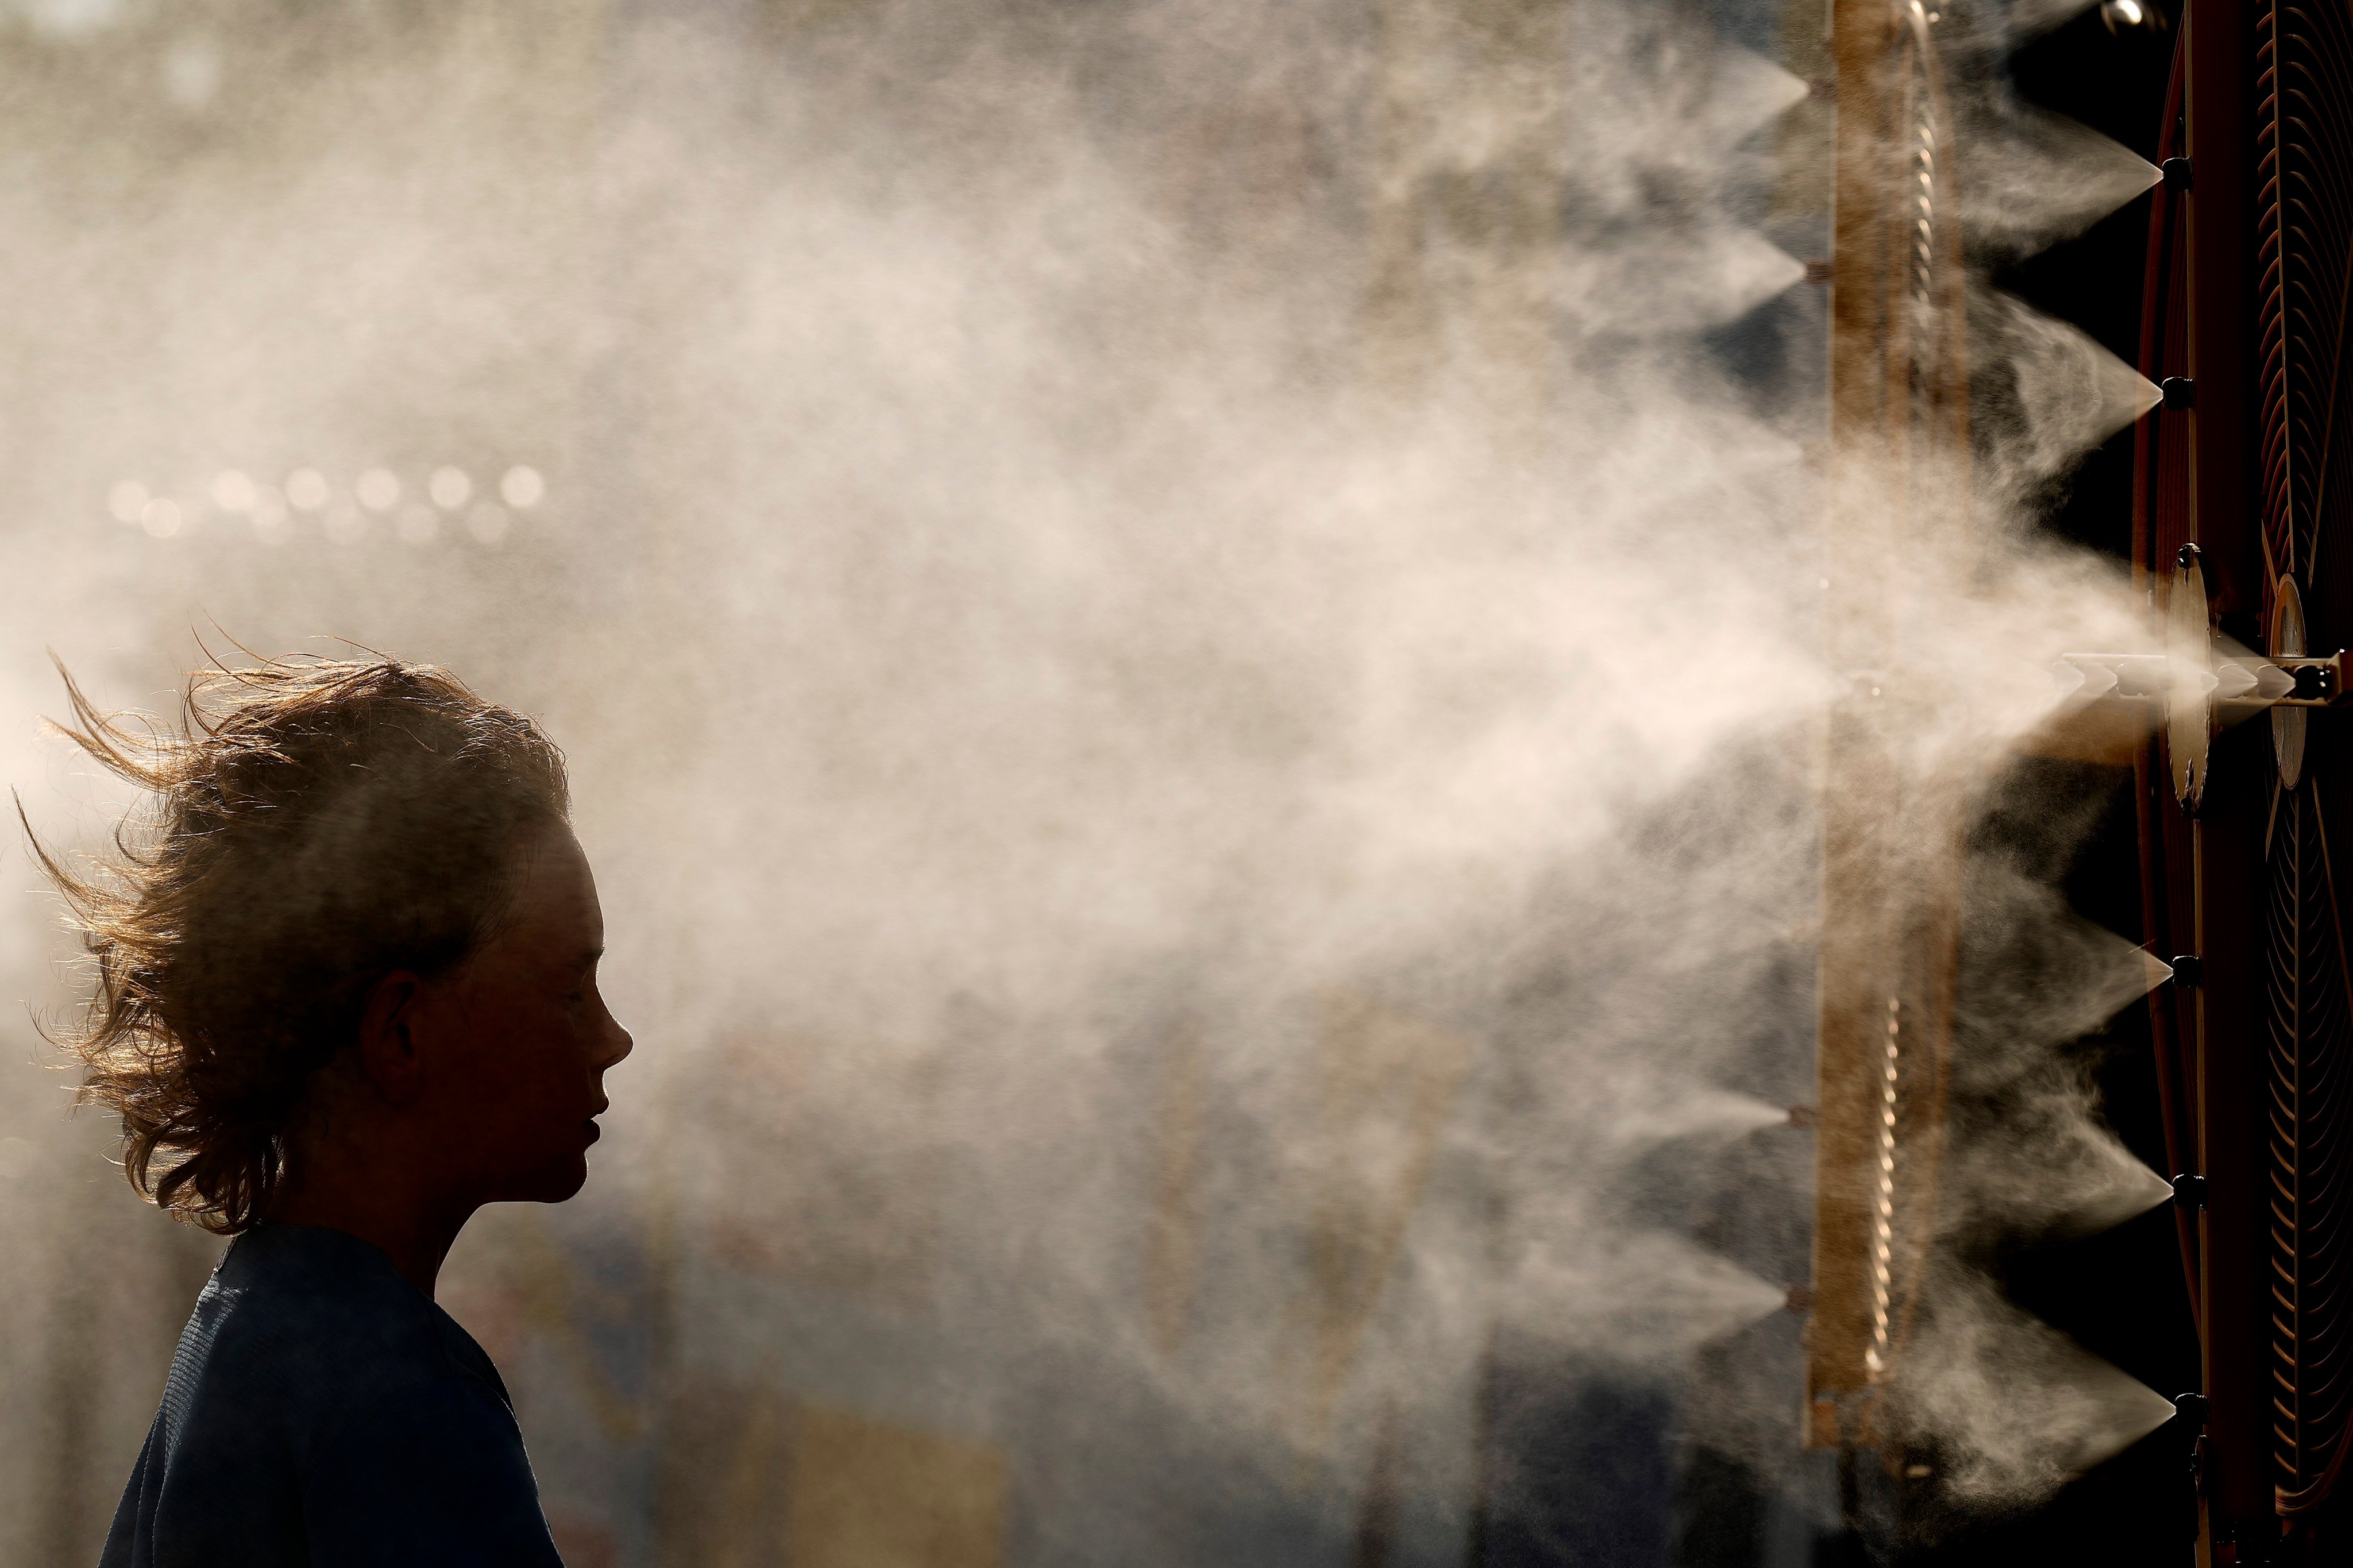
{"x":1854,"y":974}
{"x":2229,"y":1059}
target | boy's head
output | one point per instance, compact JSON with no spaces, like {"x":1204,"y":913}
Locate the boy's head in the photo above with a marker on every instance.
{"x":354,"y":911}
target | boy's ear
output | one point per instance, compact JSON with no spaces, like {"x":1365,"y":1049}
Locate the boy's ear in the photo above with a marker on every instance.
{"x":389,"y":1057}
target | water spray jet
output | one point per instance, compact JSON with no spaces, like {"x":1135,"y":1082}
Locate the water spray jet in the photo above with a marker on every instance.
{"x":2204,"y":683}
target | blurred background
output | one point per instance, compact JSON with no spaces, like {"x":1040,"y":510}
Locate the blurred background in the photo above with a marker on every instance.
{"x":1184,"y":632}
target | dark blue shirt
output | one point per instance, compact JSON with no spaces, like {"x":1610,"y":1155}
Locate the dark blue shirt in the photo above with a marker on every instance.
{"x":323,"y":1411}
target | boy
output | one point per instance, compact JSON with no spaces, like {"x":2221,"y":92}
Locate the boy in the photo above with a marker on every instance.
{"x":345,"y":995}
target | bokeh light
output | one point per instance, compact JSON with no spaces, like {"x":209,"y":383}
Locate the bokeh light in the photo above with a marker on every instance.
{"x":377,"y":489}
{"x":449,"y":488}
{"x":271,"y":520}
{"x":306,"y":489}
{"x":523,"y":487}
{"x":232,"y":492}
{"x":489,"y":521}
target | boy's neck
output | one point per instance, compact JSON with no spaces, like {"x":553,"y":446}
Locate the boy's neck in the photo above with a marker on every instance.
{"x":415,"y":1234}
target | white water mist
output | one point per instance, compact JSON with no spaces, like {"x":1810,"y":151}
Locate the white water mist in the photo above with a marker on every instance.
{"x":1189,"y":679}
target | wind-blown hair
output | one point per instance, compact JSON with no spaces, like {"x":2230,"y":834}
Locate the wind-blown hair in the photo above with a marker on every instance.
{"x":314,"y":826}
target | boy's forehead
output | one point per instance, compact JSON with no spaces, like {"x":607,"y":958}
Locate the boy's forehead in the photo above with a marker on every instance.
{"x":556,"y":904}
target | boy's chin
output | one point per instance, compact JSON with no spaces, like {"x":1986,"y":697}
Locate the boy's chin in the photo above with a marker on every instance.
{"x":558,"y":1180}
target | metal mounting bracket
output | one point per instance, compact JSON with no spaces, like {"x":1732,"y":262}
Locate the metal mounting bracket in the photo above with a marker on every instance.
{"x":2200,"y":687}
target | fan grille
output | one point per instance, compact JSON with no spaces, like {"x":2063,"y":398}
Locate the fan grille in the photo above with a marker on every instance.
{"x":2303,"y":179}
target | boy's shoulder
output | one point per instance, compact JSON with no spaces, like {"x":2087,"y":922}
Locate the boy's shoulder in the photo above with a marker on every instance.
{"x":321,"y":1408}
{"x":313,"y":1320}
